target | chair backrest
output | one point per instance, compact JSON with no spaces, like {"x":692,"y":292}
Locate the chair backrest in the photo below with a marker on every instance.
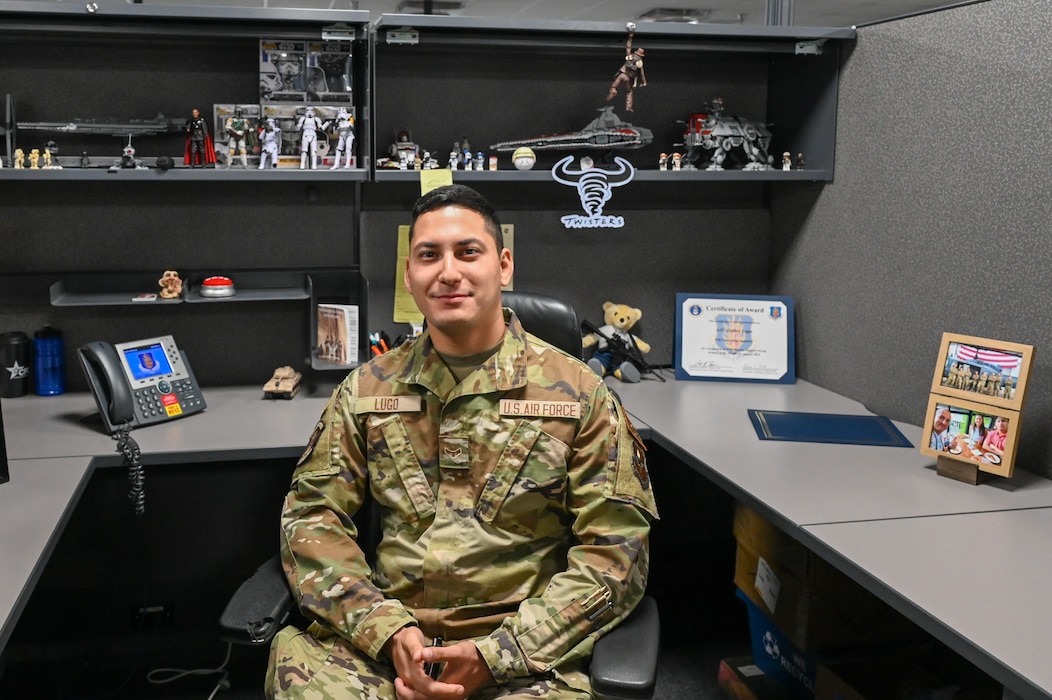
{"x":550,"y":319}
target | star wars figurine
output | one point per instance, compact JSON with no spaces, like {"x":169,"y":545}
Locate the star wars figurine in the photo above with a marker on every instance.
{"x":171,"y":285}
{"x":270,"y":147}
{"x":237,"y":129}
{"x":34,"y":159}
{"x":309,"y":126}
{"x":345,"y":134}
{"x":199,"y":147}
{"x":631,"y":74}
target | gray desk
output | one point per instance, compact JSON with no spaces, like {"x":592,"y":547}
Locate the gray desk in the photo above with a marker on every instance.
{"x":797,"y":483}
{"x":978,"y":581}
{"x":54,"y":445}
{"x":854,"y":505}
{"x":967,"y":563}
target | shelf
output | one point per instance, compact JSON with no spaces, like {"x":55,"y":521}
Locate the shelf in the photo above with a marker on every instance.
{"x":252,"y":286}
{"x":187,"y":175}
{"x":135,"y":289}
{"x":545,"y":175}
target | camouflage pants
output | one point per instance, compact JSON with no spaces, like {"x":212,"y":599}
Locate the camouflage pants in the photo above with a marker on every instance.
{"x":321,"y":666}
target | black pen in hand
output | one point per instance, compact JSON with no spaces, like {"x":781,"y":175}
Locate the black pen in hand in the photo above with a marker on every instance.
{"x":434,"y":668}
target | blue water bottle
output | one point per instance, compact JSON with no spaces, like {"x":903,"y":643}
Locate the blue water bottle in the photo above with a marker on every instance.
{"x":49,"y":362}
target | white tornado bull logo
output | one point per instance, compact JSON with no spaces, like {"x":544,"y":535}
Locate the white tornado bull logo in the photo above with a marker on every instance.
{"x":594,"y":186}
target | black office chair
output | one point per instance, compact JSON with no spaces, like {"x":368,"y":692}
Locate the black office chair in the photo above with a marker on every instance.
{"x":624,"y":662}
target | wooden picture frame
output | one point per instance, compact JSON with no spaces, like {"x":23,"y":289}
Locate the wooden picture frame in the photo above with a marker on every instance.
{"x":983,"y":359}
{"x":961,"y":416}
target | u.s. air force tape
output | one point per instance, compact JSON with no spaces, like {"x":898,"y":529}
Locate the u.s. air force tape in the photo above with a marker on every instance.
{"x":540,"y":409}
{"x":387,"y":404}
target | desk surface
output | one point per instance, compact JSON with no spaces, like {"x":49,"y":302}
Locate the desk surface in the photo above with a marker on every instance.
{"x":52,"y":444}
{"x":822,"y":494}
{"x":799,"y":483}
{"x":986,"y":574}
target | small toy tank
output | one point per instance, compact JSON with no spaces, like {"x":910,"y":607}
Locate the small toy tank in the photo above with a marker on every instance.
{"x":283,"y":385}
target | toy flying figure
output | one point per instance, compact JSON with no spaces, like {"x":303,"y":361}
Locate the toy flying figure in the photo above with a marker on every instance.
{"x":270,"y":138}
{"x":309,"y":126}
{"x":631,"y":74}
{"x":345,"y":132}
{"x":200,"y":150}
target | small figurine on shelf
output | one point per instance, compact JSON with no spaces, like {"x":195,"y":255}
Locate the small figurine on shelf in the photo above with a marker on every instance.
{"x":787,"y":161}
{"x":239,"y":135}
{"x":480,"y":161}
{"x":200,"y":150}
{"x":20,"y":159}
{"x":270,"y":144}
{"x":799,"y":161}
{"x":309,"y":125}
{"x":631,"y":73}
{"x":677,"y":161}
{"x":171,"y":285}
{"x":85,"y":161}
{"x":454,"y":154}
{"x":345,"y":134}
{"x":34,"y":159}
{"x":663,"y":161}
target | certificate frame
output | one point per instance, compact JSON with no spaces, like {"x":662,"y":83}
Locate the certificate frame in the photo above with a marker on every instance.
{"x":762,"y":346}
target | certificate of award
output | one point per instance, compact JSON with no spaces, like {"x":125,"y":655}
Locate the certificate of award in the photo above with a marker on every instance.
{"x":726,"y":337}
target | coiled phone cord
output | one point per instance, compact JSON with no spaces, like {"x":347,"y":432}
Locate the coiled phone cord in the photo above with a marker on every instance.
{"x":129,"y":449}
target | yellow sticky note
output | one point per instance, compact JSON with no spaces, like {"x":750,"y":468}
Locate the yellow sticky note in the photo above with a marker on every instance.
{"x":405,"y":310}
{"x":431,"y":179}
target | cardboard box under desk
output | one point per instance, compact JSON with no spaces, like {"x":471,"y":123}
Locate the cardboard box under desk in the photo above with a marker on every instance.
{"x":925,"y":672}
{"x":816,"y":606}
{"x":741,"y":679}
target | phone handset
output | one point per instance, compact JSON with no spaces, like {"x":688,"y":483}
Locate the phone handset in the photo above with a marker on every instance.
{"x":108,"y":383}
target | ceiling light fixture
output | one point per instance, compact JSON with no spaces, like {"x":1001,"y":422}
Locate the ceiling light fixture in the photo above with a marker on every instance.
{"x":437,"y":7}
{"x":675,"y":14}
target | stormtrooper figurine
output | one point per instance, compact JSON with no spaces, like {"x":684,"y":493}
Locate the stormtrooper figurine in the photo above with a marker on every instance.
{"x":308,"y":126}
{"x":270,"y":146}
{"x":345,"y":132}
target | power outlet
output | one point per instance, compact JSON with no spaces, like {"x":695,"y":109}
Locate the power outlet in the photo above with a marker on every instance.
{"x":150,"y":616}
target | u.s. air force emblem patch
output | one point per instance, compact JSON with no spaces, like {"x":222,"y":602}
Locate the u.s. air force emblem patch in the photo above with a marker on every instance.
{"x":314,"y":437}
{"x":639,"y":457}
{"x":734,"y":332}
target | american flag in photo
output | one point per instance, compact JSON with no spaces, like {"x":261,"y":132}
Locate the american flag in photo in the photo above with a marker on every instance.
{"x":1003,"y":360}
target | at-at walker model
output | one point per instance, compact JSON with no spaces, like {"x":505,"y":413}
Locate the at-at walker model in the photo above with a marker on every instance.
{"x":715,"y":141}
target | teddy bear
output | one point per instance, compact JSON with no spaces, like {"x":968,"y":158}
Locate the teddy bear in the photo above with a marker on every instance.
{"x":615,"y":357}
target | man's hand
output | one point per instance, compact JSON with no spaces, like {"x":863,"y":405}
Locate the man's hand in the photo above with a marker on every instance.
{"x":463,"y":671}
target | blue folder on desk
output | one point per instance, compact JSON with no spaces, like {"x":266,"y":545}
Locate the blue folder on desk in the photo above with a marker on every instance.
{"x":795,"y":426}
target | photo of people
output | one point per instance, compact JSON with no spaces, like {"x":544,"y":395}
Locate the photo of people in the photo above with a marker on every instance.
{"x":974,"y":433}
{"x":988,"y":371}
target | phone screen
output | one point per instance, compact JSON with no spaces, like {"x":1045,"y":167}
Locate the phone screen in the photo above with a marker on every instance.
{"x":147,"y":361}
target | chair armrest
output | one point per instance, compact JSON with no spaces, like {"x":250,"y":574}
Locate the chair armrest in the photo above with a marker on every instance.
{"x":259,"y":607}
{"x":624,"y":661}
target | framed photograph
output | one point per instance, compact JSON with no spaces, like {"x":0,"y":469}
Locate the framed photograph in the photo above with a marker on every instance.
{"x":993,"y":372}
{"x":971,"y":432}
{"x":737,"y":338}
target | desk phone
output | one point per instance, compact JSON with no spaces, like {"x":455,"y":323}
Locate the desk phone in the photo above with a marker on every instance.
{"x":141,"y":382}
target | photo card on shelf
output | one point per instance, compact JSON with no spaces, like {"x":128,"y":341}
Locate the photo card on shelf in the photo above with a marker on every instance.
{"x":336,"y":335}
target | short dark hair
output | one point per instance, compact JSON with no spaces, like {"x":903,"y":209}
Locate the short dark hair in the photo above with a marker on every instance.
{"x":459,"y":196}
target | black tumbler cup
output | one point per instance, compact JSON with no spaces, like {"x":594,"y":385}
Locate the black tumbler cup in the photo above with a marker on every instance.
{"x":15,"y":361}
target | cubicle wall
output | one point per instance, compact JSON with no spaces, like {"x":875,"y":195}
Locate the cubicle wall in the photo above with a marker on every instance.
{"x":940,"y":214}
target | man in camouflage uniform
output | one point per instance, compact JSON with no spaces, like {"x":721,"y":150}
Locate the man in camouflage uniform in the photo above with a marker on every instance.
{"x":515,"y":500}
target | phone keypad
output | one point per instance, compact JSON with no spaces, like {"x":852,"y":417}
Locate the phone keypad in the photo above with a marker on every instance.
{"x":150,"y":402}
